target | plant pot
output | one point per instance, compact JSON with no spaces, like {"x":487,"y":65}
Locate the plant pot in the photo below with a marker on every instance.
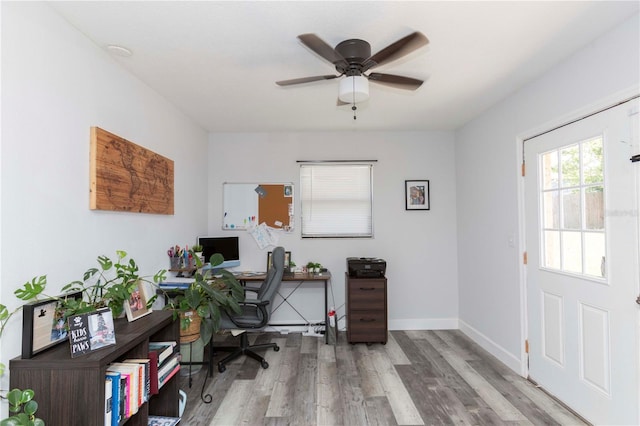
{"x":192,"y":332}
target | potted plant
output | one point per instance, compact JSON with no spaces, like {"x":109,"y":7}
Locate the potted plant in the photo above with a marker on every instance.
{"x":23,"y":408}
{"x":197,"y":252}
{"x":213,"y":290}
{"x":110,"y":285}
{"x":313,"y":267}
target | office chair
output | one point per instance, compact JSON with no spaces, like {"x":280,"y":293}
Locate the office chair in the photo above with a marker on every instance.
{"x":255,"y":315}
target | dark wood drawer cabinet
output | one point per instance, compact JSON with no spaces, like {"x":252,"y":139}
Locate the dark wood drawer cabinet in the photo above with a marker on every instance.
{"x":366,"y":300}
{"x":70,"y":391}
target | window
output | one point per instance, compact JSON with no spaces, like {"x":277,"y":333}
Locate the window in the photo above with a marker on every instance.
{"x":336,"y":200}
{"x":572,"y":200}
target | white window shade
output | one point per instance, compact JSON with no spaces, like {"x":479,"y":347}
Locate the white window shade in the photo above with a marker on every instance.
{"x":336,"y":200}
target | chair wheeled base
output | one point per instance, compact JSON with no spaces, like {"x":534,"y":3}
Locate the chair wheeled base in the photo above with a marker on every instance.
{"x":244,"y":349}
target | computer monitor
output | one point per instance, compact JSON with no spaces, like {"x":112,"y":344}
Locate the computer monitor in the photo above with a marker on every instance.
{"x":228,"y":247}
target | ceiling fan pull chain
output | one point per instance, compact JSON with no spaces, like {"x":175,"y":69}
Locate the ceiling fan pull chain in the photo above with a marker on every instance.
{"x":353,"y":108}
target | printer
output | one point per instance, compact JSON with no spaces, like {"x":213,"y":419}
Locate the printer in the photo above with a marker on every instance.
{"x":366,"y":267}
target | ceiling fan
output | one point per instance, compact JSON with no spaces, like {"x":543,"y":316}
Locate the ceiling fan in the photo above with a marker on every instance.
{"x":352,"y":58}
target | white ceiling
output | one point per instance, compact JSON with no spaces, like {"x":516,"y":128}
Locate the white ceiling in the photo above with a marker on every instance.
{"x":218,"y":61}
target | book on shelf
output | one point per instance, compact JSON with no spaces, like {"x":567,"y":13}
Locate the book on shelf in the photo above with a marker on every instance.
{"x":164,"y":379}
{"x":108,"y":401}
{"x":167,"y":368}
{"x":164,"y":349}
{"x":153,"y":372}
{"x":125,"y":386}
{"x":117,"y":397}
{"x":163,"y":421}
{"x":133,"y":384}
{"x":145,"y":381}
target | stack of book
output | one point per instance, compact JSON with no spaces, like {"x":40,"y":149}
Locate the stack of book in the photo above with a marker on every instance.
{"x":167,"y":358}
{"x":133,"y":381}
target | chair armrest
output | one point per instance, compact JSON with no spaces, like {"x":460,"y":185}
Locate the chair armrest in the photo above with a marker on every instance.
{"x":261,"y":305}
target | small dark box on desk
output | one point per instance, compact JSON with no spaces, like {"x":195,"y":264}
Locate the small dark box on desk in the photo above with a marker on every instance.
{"x":366,"y":267}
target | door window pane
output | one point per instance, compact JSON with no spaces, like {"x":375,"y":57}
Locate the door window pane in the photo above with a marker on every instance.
{"x":594,"y":258}
{"x":552,"y":249}
{"x":571,"y":252}
{"x":570,"y":166}
{"x":571,"y":209}
{"x":551,"y":210}
{"x":594,"y":207}
{"x":572,"y":199}
{"x":551,"y":173}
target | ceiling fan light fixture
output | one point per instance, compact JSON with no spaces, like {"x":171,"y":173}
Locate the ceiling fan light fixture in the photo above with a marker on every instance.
{"x":354,"y":89}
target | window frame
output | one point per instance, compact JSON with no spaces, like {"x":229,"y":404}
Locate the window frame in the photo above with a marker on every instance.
{"x":315,"y":230}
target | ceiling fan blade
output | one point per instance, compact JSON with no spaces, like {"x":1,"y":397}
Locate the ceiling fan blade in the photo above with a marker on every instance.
{"x":319,"y":46}
{"x":306,"y":79}
{"x":397,"y":81}
{"x":396,"y":50}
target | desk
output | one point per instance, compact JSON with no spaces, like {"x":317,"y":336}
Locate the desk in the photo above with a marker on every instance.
{"x":300,"y":278}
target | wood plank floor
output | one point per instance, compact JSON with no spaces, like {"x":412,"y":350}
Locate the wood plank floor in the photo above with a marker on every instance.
{"x":417,"y":378}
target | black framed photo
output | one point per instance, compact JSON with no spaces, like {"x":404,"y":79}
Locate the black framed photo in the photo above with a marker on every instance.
{"x":287,"y":260}
{"x":416,"y":195}
{"x":91,"y":331}
{"x":44,"y":325}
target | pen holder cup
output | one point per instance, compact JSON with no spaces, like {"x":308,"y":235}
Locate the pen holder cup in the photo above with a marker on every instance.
{"x":175,"y":262}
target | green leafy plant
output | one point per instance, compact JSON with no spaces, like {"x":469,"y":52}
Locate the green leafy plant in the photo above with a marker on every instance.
{"x":110,"y":285}
{"x":22,"y":408}
{"x":212,"y":291}
{"x":313,"y":266}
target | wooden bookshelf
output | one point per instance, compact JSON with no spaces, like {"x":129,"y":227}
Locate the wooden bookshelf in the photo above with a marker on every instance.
{"x":70,"y":391}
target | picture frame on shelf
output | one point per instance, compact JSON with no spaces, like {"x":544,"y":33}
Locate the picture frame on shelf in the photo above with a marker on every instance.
{"x":287,"y":260}
{"x":416,"y":195}
{"x":136,"y":307}
{"x":91,"y":331}
{"x":43,"y":325}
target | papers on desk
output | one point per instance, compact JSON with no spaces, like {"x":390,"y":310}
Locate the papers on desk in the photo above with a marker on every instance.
{"x":251,"y":273}
{"x":176,"y":283}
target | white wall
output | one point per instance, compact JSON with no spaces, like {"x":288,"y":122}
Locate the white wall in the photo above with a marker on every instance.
{"x":419,"y":246}
{"x":488,"y":166}
{"x":56,"y":84}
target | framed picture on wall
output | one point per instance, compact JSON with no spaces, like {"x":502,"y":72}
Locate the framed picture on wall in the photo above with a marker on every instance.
{"x":416,"y":195}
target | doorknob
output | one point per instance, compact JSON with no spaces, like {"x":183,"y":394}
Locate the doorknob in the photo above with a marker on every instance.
{"x":638,"y":300}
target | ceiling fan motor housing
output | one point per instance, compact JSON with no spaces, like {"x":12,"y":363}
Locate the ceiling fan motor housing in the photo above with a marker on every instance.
{"x":355,"y":51}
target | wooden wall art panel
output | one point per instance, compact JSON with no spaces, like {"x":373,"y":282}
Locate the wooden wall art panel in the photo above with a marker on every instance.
{"x":128,"y":177}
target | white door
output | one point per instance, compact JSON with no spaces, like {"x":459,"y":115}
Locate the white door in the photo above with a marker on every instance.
{"x":581,"y":207}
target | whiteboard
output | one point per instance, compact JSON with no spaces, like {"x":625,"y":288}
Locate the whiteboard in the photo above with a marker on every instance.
{"x":244,"y":203}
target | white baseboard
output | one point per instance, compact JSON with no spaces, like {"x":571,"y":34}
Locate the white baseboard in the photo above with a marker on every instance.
{"x":424,"y":324}
{"x":504,"y":356}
